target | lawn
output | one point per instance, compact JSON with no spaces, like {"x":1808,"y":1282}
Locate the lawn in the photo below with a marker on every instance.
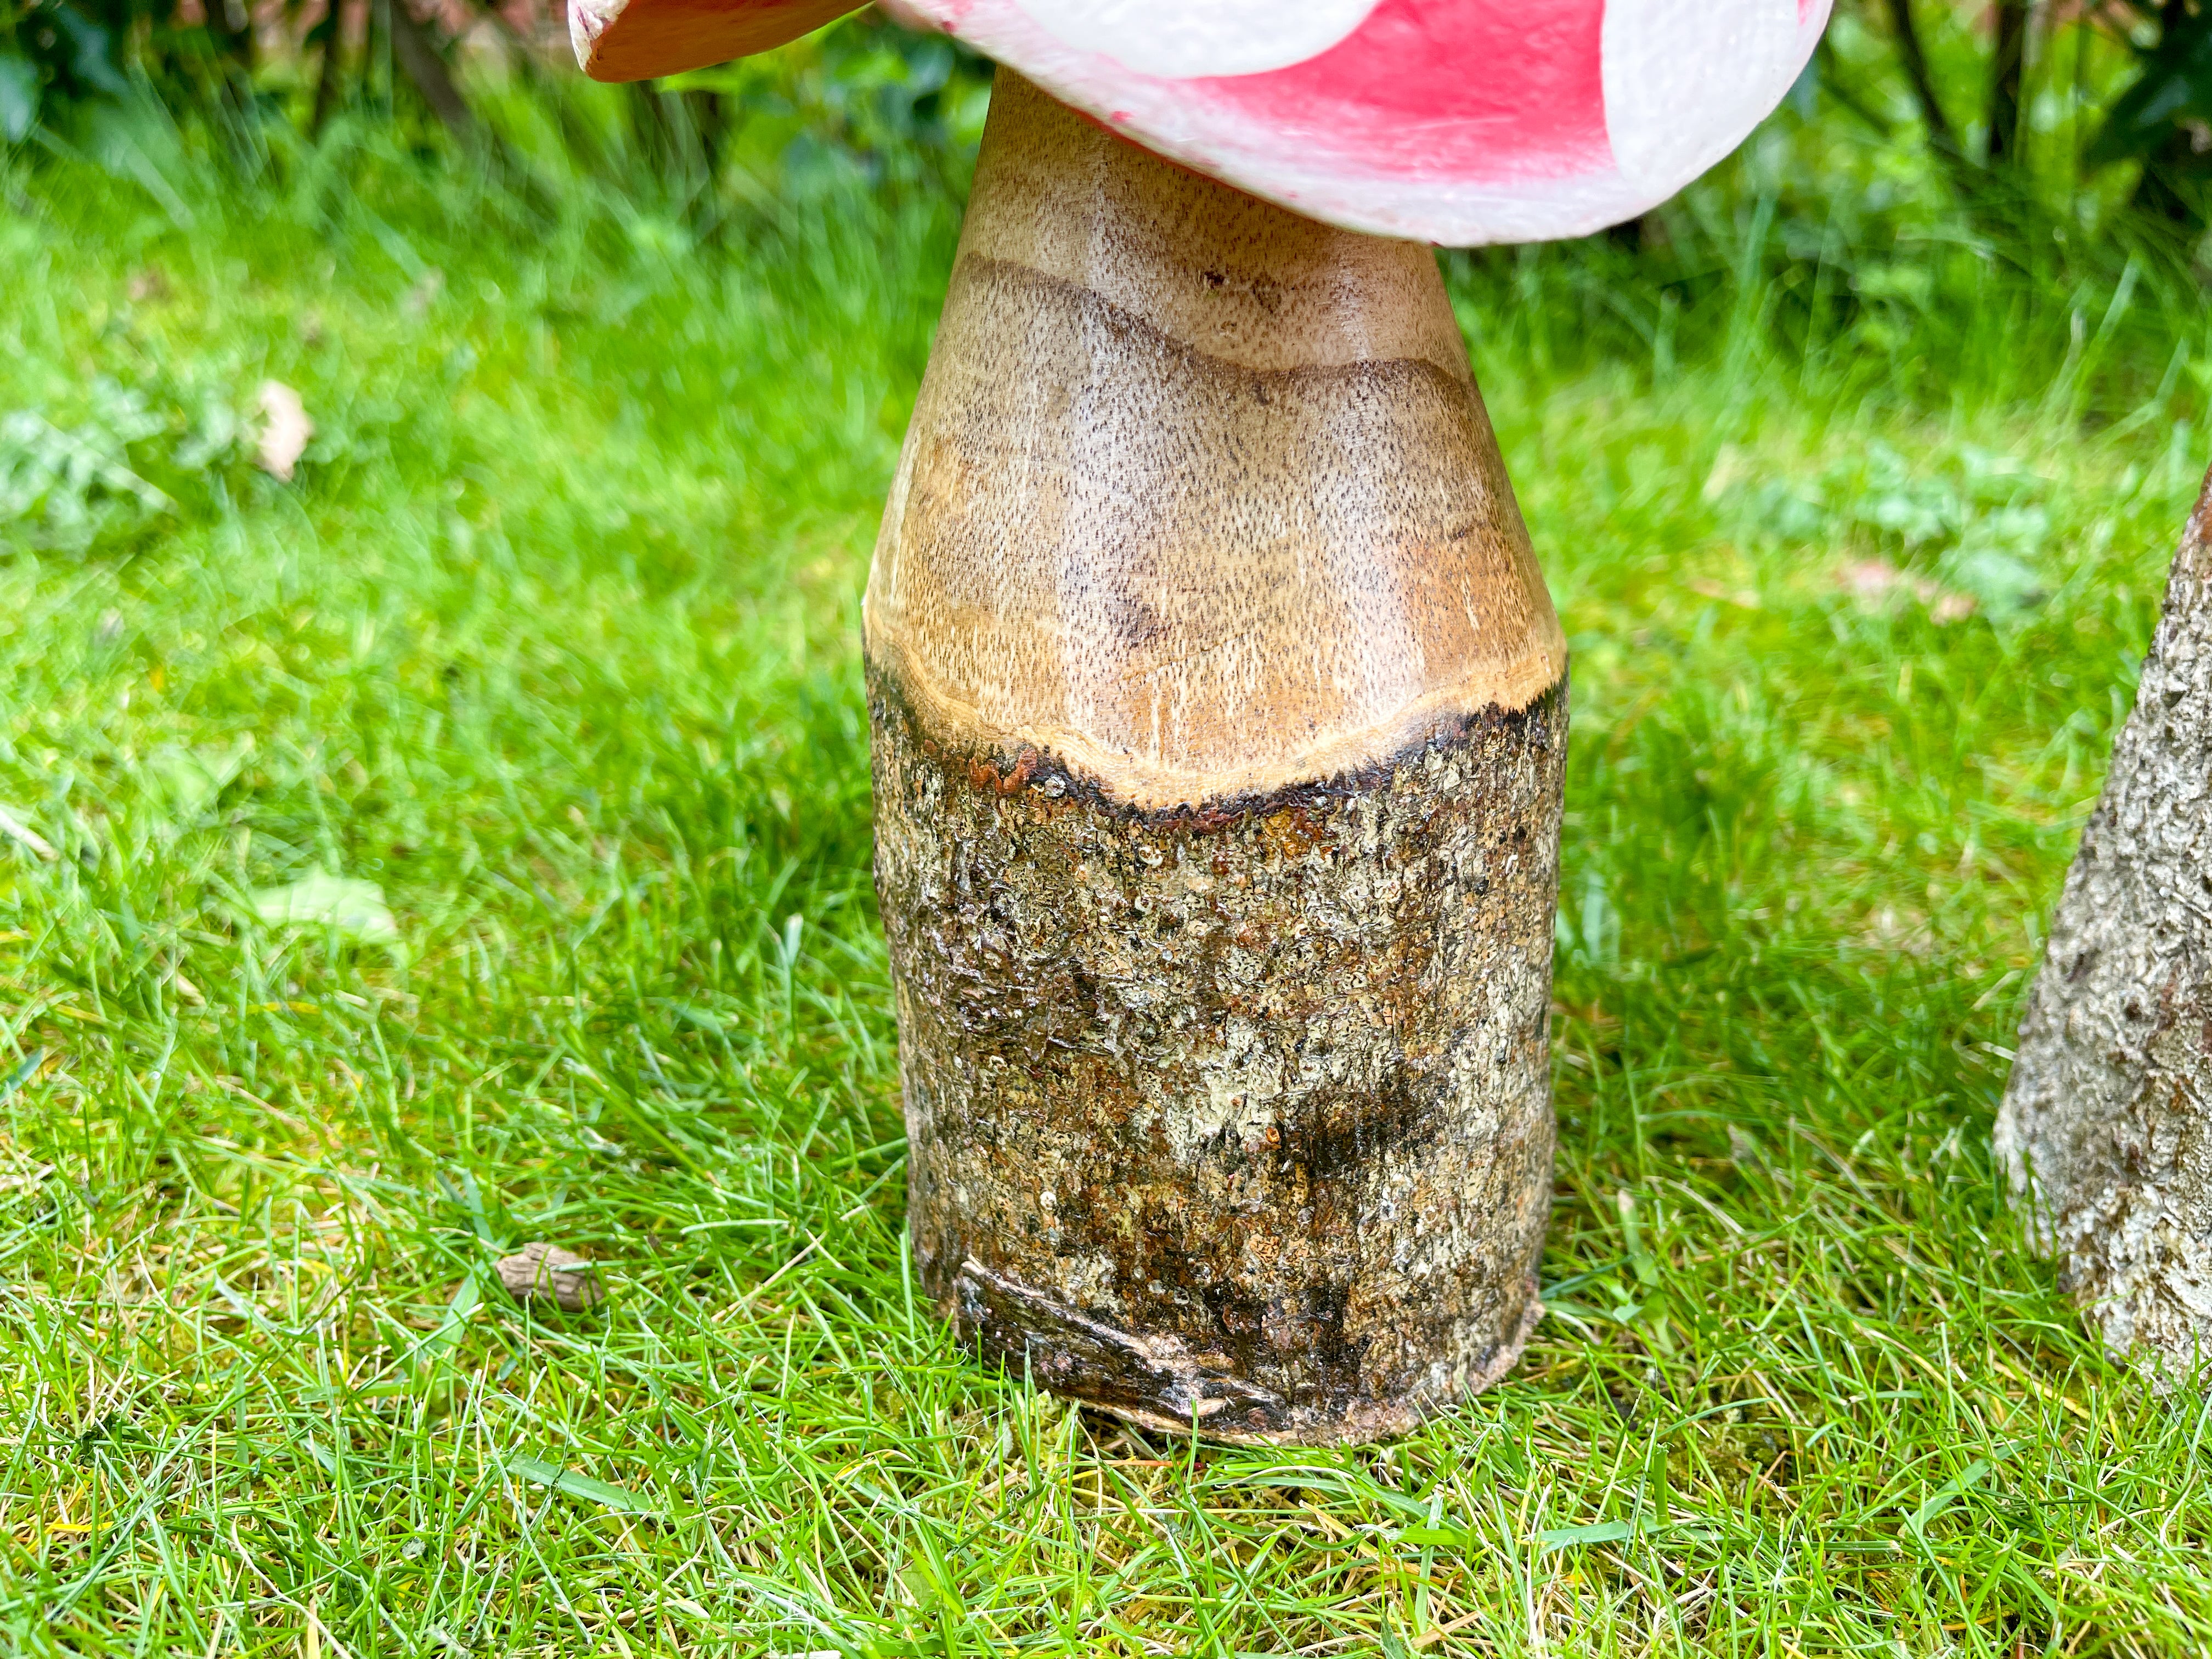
{"x":549,"y":649}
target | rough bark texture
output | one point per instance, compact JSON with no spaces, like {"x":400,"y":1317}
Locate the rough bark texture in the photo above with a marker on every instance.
{"x":2106,"y":1127}
{"x":1239,"y":1114}
{"x":1218,"y":730}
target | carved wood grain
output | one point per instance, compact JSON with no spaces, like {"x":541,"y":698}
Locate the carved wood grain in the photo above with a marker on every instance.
{"x":1198,"y":494}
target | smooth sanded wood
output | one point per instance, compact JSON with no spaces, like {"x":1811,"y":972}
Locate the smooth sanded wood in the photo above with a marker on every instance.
{"x":1199,"y":494}
{"x":1220,"y":722}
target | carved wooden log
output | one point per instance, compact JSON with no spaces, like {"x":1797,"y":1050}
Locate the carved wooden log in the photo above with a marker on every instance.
{"x":1218,"y":705}
{"x":1220,"y":713}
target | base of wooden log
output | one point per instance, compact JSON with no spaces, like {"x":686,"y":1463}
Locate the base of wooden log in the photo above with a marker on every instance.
{"x":1219,"y":719}
{"x":1157,"y":1382}
{"x":1235,"y":1116}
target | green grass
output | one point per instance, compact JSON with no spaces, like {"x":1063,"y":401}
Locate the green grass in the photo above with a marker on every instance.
{"x":553,"y":639}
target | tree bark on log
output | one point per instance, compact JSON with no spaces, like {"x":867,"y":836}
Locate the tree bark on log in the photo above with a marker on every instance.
{"x":2107,"y":1126}
{"x":1219,"y":719}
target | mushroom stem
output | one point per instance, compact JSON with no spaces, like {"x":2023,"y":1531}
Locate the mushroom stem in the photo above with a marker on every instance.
{"x":1219,"y":717}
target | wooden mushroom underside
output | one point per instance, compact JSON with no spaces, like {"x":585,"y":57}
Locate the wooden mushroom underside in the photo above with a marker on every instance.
{"x":1219,"y":717}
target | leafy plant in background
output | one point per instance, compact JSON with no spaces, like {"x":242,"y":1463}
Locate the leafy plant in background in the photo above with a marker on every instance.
{"x":2155,"y":113}
{"x":1971,"y":541}
{"x":121,"y":462}
{"x":2164,"y":120}
{"x":862,"y":105}
{"x":60,"y":59}
{"x":67,"y":486}
{"x":226,"y":62}
{"x":865,"y":96}
{"x":52,"y":54}
{"x":862,"y":98}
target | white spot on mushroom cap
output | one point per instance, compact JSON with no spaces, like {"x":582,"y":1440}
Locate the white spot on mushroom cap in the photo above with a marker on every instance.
{"x":1178,"y":40}
{"x":1685,"y":80}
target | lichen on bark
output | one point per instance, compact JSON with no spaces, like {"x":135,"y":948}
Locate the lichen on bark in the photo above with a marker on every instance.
{"x":1238,"y":1112}
{"x":2106,"y":1125}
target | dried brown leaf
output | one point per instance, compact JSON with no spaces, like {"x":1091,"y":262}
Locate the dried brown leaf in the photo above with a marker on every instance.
{"x":539,"y":1269}
{"x":285,"y":429}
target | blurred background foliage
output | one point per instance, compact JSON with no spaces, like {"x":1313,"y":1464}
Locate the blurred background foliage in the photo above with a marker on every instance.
{"x":1928,"y":150}
{"x":248,"y":77}
{"x":2005,"y":199}
{"x":2052,"y":106}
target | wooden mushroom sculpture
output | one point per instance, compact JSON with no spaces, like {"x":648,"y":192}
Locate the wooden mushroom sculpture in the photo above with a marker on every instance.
{"x":1220,"y":709}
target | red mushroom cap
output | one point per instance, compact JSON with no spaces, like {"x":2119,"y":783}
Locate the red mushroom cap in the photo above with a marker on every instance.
{"x":1451,"y":121}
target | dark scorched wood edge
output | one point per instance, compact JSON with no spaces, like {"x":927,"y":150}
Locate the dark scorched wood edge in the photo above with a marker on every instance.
{"x":1236,"y":1114}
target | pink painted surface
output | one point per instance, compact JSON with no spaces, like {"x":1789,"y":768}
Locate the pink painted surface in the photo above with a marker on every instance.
{"x":1477,"y":92}
{"x":1451,"y":121}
